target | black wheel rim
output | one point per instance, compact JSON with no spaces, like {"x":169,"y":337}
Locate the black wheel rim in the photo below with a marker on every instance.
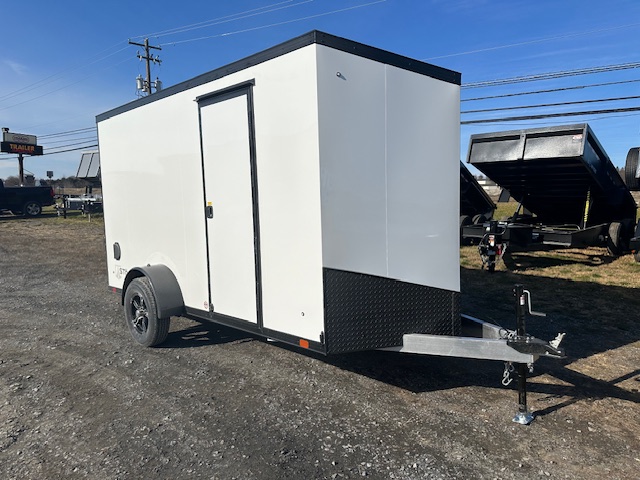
{"x":139,"y":314}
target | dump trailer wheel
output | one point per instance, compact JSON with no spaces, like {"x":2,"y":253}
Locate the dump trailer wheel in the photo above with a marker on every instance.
{"x":479,"y":219}
{"x":32,"y":209}
{"x":464,"y":221}
{"x":141,"y":314}
{"x":615,"y":239}
{"x":631,"y":168}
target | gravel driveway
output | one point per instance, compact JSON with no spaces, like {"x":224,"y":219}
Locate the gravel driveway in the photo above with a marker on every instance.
{"x":78,"y":399}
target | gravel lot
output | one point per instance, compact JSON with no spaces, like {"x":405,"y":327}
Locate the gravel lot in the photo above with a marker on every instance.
{"x":78,"y":399}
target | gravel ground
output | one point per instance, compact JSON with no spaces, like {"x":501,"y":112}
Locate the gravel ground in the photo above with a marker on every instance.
{"x":78,"y":399}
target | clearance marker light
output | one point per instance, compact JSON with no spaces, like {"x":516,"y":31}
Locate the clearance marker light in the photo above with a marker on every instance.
{"x":304,"y":343}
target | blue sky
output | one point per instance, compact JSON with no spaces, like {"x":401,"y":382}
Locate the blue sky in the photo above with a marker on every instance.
{"x":64,"y":62}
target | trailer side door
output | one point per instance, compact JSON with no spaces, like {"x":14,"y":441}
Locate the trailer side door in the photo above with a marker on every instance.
{"x":231,"y":207}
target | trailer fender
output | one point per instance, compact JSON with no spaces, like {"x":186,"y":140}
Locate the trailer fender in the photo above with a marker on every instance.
{"x":165,"y":288}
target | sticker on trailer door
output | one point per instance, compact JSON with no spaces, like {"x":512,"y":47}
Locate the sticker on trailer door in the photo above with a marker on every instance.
{"x":119,"y":272}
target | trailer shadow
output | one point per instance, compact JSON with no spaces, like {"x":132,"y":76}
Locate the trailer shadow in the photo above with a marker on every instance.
{"x":596,"y":319}
{"x":202,"y":334}
{"x":421,"y":374}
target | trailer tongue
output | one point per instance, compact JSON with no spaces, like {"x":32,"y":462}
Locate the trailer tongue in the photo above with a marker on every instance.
{"x":486,"y":341}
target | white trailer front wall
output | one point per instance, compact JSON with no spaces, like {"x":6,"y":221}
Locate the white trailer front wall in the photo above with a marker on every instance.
{"x":153,"y":190}
{"x":423,"y":178}
{"x":389,"y":158}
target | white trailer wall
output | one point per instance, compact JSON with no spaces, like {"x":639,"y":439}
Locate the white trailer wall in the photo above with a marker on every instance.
{"x":389,"y":159}
{"x":153,"y":190}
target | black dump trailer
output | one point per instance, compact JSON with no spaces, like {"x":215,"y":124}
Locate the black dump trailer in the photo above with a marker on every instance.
{"x":632,"y":179}
{"x":568,"y":190}
{"x":476,"y":206}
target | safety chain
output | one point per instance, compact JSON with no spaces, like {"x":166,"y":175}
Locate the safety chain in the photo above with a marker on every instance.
{"x":506,"y":375}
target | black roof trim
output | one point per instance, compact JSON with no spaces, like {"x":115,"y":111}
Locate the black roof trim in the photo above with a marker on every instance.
{"x":310,"y":38}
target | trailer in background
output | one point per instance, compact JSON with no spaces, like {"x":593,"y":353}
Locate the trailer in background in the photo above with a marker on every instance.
{"x":476,"y":206}
{"x":572,"y":192}
{"x":283,"y":195}
{"x":632,"y":179}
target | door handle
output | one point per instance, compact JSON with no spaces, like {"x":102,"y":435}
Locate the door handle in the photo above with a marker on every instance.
{"x":209,"y":211}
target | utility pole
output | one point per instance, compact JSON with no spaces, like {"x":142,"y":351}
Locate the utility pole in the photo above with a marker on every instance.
{"x":148,"y":58}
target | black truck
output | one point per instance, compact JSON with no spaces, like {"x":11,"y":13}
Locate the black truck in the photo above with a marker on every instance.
{"x":27,"y":201}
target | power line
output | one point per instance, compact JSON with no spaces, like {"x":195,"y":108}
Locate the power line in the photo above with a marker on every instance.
{"x":55,"y":76}
{"x":69,"y":132}
{"x":92,"y":138}
{"x":550,"y":115}
{"x":276,"y":24}
{"x":550,"y":90}
{"x":226,"y":19}
{"x":559,"y":104}
{"x":63,"y":87}
{"x":53,"y":153}
{"x":552,"y":75}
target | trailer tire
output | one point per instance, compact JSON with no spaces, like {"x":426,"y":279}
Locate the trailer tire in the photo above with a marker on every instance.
{"x":140,"y":311}
{"x":32,"y":209}
{"x":465,"y":220}
{"x":631,"y":169}
{"x":615,"y":239}
{"x":479,"y":219}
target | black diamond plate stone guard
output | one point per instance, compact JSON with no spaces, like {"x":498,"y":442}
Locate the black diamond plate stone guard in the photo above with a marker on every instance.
{"x":365,"y":312}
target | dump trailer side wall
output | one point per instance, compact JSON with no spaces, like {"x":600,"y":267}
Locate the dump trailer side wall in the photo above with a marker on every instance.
{"x":558,"y":173}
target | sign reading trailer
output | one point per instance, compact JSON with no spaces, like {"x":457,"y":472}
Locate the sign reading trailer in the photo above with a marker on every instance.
{"x":21,"y":148}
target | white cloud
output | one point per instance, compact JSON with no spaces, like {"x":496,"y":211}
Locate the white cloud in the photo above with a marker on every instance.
{"x":18,"y":68}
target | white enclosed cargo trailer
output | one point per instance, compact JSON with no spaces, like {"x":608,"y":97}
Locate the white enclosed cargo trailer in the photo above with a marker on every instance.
{"x":308,"y":194}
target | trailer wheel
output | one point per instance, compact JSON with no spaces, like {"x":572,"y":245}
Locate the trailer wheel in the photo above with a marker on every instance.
{"x":615,"y":239}
{"x":464,"y":221}
{"x":479,"y":219}
{"x":141,"y":314}
{"x":631,"y":168}
{"x":32,"y":209}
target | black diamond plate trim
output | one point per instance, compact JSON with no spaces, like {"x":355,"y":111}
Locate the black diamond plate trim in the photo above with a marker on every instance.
{"x":364,"y":312}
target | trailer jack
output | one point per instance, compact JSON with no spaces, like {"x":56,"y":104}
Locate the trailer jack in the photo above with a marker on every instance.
{"x":483,"y":340}
{"x":525,"y":343}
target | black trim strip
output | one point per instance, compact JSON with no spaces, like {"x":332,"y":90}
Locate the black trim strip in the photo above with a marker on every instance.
{"x":252,"y":328}
{"x":228,"y":92}
{"x":244,"y":89}
{"x":309,"y":38}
